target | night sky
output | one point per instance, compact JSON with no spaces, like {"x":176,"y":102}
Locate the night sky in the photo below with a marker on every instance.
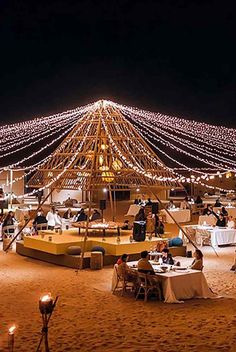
{"x":175,"y":57}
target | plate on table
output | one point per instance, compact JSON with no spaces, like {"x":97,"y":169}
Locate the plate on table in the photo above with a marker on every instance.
{"x":159,"y":271}
{"x":181,"y":268}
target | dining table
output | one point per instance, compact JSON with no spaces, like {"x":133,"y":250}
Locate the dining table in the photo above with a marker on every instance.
{"x":218,"y":236}
{"x":180,"y":215}
{"x":179,"y":283}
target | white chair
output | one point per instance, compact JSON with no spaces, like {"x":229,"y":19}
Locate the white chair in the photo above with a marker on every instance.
{"x":8,"y":231}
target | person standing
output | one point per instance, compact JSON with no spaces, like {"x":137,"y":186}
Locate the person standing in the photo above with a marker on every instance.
{"x":51,"y":218}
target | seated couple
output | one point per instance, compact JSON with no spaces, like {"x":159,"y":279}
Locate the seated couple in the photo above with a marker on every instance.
{"x":144,"y":266}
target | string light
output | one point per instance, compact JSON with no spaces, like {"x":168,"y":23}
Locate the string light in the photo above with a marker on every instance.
{"x":208,"y":144}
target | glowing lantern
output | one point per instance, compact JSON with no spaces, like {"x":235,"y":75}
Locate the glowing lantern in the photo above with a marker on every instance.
{"x":228,"y":174}
{"x":104,"y":146}
{"x":100,"y":159}
{"x":117,"y":165}
{"x":107,"y":176}
{"x":103,"y":168}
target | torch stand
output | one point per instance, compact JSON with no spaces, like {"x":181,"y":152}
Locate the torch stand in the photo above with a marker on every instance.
{"x":46,"y":315}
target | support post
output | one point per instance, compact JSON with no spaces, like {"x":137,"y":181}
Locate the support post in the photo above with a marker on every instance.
{"x":10,"y":184}
{"x":111,"y":202}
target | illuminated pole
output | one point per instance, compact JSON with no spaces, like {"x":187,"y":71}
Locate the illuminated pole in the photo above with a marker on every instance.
{"x":10,"y":184}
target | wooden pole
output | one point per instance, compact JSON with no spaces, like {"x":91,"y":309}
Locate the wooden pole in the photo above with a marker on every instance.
{"x":11,"y":179}
{"x":90,"y":198}
{"x":114,"y":204}
{"x":20,"y":231}
{"x":111,"y":202}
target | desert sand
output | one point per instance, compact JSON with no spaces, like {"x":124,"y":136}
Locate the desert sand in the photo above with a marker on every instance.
{"x":88,"y":317}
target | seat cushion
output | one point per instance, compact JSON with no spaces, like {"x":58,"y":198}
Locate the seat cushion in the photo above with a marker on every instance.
{"x":176,"y":242}
{"x":73,"y":250}
{"x":98,"y":249}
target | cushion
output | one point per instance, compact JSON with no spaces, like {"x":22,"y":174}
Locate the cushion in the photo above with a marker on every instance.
{"x":98,"y":249}
{"x":176,"y":242}
{"x":73,"y":250}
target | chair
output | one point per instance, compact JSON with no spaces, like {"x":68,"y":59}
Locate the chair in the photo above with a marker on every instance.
{"x":121,"y":282}
{"x":148,"y":284}
{"x":8,"y":231}
{"x":40,"y":227}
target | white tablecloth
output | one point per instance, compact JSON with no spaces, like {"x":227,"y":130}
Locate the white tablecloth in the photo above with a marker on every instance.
{"x":217,"y":236}
{"x":181,"y":285}
{"x":207,"y":219}
{"x":231,"y":211}
{"x":180,"y":215}
{"x":223,"y":237}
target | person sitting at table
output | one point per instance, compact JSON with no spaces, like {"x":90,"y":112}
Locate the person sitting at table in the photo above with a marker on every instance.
{"x":218,"y":203}
{"x":144,"y":266}
{"x":140,"y":216}
{"x":96,"y":215}
{"x":198,"y":200}
{"x":167,"y":257}
{"x":68,"y":214}
{"x":123,"y":269}
{"x":185,"y":204}
{"x":170,"y":205}
{"x":9,"y":221}
{"x":81,"y":216}
{"x":224,"y":212}
{"x":230,"y":223}
{"x":122,"y":265}
{"x":221,"y":221}
{"x":208,"y":210}
{"x":197,"y":263}
{"x":40,"y":218}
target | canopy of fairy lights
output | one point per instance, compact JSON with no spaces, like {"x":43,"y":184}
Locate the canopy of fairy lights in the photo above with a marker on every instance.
{"x":117,"y":145}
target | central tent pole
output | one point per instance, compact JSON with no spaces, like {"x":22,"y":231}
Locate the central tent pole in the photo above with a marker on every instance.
{"x":111,"y":202}
{"x":90,"y":197}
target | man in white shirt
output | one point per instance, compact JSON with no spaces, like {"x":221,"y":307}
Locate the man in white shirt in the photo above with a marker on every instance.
{"x":51,"y":218}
